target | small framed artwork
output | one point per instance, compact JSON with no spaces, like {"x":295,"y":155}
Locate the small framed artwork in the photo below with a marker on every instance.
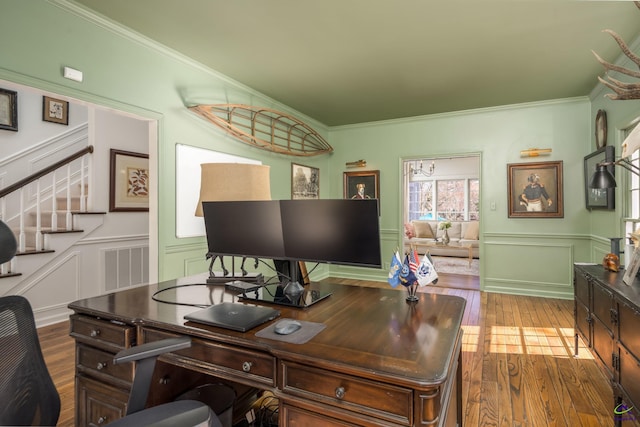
{"x":305,"y":182}
{"x":129,"y":182}
{"x":55,"y":110}
{"x":599,"y":198}
{"x":535,"y":190}
{"x":632,"y":267}
{"x":362,"y":185}
{"x":8,"y":110}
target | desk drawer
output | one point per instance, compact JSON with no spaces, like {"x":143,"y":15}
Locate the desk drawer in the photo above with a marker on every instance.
{"x":381,"y":400}
{"x":97,"y":403}
{"x":100,"y":362}
{"x":235,"y":363}
{"x":102,"y":333}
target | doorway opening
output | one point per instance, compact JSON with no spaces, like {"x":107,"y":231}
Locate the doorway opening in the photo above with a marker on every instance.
{"x":441,"y":192}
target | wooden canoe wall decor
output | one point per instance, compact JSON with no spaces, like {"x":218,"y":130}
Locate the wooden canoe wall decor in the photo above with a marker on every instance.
{"x":265,"y":128}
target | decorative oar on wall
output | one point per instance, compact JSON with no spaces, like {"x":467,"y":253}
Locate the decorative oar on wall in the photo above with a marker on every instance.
{"x":265,"y":128}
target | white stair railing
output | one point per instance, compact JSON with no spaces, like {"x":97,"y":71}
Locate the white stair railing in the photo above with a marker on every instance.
{"x":43,"y":190}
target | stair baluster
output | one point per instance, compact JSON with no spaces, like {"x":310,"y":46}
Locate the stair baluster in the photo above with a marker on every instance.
{"x":22,"y":238}
{"x":54,"y":203}
{"x":69,"y":218}
{"x":38,"y":218}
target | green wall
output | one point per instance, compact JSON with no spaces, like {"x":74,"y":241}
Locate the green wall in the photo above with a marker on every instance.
{"x":525,"y":256}
{"x":123,"y":71}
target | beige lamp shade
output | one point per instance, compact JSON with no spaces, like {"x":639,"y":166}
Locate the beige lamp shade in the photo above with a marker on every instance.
{"x":226,"y":182}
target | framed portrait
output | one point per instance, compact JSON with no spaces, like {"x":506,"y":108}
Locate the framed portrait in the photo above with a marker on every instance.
{"x":632,"y":267}
{"x":8,"y":110}
{"x":129,"y":182}
{"x":599,"y":198}
{"x":305,"y":182}
{"x":55,"y":110}
{"x":362,"y":185}
{"x":535,"y":190}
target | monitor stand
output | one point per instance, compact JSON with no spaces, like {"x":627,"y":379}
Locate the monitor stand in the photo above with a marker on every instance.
{"x":293,"y":289}
{"x":226,"y":277}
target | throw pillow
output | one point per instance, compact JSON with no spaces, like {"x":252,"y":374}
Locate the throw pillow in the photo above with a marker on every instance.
{"x":408,"y":230}
{"x":473,"y":231}
{"x":423,"y":229}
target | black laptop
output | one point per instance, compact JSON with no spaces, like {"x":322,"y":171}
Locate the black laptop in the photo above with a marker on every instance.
{"x":235,"y":316}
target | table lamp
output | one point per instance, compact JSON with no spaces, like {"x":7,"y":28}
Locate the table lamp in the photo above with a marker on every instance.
{"x":229,"y":182}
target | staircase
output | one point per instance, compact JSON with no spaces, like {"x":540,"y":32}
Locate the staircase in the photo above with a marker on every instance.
{"x":42,"y":232}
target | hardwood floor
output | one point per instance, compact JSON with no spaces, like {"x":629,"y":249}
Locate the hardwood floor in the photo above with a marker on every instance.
{"x":58,"y":349}
{"x":518,"y":363}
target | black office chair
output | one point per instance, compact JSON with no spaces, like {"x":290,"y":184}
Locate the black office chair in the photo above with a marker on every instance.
{"x":29,"y":396}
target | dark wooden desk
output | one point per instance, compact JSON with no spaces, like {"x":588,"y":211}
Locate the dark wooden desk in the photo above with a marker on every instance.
{"x":379,"y":361}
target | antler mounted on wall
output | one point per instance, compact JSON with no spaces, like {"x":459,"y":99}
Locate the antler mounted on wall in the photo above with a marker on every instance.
{"x":623,"y":91}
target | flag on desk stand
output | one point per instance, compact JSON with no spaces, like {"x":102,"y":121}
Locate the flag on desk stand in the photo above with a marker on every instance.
{"x":426,"y":272}
{"x":407,"y":278}
{"x":414,"y":261}
{"x":394,"y":271}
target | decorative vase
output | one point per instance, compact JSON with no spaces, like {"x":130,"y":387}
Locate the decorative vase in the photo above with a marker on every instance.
{"x":445,"y":237}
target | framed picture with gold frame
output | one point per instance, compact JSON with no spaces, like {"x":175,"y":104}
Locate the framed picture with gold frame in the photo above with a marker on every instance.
{"x":362,"y":185}
{"x":55,"y":110}
{"x":535,"y":190}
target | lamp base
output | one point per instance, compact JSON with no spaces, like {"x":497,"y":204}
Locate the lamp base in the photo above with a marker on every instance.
{"x":221,"y":280}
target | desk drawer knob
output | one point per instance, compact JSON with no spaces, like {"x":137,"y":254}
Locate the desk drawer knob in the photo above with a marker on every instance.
{"x":94,"y":333}
{"x":101,"y":365}
{"x":102,"y":420}
{"x":340,"y":392}
{"x":246,"y":366}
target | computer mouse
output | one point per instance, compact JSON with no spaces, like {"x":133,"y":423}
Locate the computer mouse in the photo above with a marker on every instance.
{"x":287,"y":326}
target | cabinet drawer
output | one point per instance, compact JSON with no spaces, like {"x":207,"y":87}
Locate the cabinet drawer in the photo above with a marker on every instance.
{"x":582,"y":288}
{"x":102,"y":333}
{"x":603,"y":344}
{"x":292,"y":416}
{"x":98,"y":404}
{"x":602,"y":305}
{"x":629,"y":325}
{"x":582,"y":322}
{"x":381,"y":400}
{"x":630,"y":375}
{"x":233,"y":363}
{"x":100,"y":362}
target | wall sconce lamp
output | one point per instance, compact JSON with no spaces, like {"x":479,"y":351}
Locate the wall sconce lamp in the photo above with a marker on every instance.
{"x":421,"y":171}
{"x":603,"y":178}
{"x":535,"y":152}
{"x":357,"y":164}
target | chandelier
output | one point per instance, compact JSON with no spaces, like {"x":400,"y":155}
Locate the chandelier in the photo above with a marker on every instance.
{"x":421,"y":171}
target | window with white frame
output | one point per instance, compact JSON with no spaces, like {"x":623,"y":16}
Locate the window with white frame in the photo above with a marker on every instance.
{"x":632,"y":218}
{"x":452,"y":192}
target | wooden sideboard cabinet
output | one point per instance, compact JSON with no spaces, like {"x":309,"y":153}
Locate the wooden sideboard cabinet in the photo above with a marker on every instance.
{"x":607,"y":317}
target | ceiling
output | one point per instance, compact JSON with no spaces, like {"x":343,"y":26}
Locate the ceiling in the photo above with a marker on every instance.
{"x":353,"y":61}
